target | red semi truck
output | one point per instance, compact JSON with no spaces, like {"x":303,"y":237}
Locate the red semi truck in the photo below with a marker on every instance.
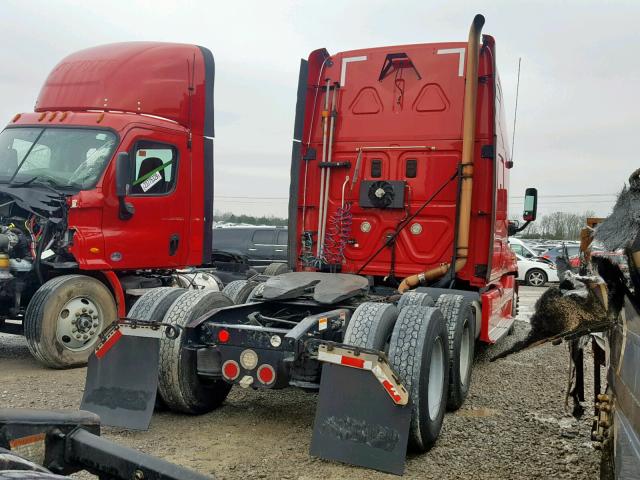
{"x":398,"y":242}
{"x":107,"y":187}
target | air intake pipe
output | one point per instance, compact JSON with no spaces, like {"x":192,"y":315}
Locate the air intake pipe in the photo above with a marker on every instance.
{"x":468,"y":145}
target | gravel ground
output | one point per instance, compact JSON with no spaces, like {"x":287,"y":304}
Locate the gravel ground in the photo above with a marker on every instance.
{"x":512,"y":425}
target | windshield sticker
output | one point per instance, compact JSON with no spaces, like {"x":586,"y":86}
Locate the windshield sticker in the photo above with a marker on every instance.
{"x":151,"y":181}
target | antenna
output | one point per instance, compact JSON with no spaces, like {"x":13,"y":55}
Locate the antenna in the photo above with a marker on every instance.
{"x":515,"y":112}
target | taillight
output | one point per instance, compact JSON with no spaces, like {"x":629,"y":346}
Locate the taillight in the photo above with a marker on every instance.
{"x":230,"y":370}
{"x":266,"y":374}
{"x":223,"y":336}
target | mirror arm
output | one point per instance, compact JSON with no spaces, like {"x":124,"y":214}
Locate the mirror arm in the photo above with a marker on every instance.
{"x":126,"y":210}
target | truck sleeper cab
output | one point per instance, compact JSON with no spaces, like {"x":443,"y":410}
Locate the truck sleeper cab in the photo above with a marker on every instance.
{"x":97,"y":191}
{"x":380,"y":182}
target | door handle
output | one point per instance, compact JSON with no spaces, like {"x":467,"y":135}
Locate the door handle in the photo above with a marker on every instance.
{"x":252,"y":249}
{"x":174,"y":241}
{"x":279,"y":250}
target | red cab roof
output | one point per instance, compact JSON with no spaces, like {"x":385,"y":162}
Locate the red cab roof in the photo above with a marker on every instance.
{"x":172,"y":81}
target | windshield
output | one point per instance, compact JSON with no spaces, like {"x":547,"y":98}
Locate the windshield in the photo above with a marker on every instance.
{"x":59,"y":157}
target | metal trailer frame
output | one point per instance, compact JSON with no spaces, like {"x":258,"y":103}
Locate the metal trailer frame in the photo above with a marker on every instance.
{"x":63,"y":443}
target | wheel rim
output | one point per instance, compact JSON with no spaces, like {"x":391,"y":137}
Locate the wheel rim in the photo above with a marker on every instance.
{"x":465,"y":354}
{"x":79,"y":324}
{"x":536,"y":278}
{"x":436,"y":379}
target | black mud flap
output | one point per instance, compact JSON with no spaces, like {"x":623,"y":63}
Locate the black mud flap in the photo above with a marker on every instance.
{"x":121,"y":385}
{"x":358,"y":423}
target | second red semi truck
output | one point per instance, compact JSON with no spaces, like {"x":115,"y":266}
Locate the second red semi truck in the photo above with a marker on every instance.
{"x":398,"y":241}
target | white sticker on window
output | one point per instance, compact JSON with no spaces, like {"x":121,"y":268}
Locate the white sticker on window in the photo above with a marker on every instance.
{"x":151,"y":181}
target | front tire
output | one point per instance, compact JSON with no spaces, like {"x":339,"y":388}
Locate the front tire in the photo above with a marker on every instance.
{"x":536,"y":278}
{"x":180,"y":387}
{"x":64,"y":319}
{"x":419,"y":353}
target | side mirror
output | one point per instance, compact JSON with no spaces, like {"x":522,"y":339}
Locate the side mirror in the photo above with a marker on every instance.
{"x":530,"y":205}
{"x":123,"y":172}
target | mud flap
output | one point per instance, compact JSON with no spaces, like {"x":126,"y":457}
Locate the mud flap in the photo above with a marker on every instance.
{"x":122,"y":382}
{"x":357,"y":421}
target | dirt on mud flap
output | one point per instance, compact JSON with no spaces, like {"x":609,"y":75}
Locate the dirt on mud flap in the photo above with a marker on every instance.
{"x":363,"y":413}
{"x":122,"y":376}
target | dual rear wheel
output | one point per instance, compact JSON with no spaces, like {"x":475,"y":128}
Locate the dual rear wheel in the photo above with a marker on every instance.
{"x":415,"y":339}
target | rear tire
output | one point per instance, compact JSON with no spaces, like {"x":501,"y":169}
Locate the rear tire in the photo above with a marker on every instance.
{"x":180,"y":387}
{"x":274,"y":269}
{"x":50,"y":325}
{"x":239,"y":290}
{"x":153,"y":305}
{"x":415,"y":298}
{"x":371,"y":325}
{"x":418,"y":352}
{"x":461,"y":321}
{"x":256,"y":293}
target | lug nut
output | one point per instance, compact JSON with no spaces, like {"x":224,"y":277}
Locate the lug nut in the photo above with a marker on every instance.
{"x":92,"y":332}
{"x":95,"y":324}
{"x":85,"y":336}
{"x":74,"y":330}
{"x":84,"y":310}
{"x":73,"y":321}
{"x":77,"y":314}
{"x":90,"y":311}
{"x":94,"y":317}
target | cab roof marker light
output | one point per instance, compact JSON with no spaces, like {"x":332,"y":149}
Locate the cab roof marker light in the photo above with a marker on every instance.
{"x":53,"y":116}
{"x":42,"y":115}
{"x":16,"y":118}
{"x":63,"y":116}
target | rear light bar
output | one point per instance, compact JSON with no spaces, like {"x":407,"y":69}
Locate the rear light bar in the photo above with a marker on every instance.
{"x":376,"y":364}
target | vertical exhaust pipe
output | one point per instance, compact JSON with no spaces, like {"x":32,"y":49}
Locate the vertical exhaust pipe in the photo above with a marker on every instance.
{"x":466,"y":180}
{"x":325,"y":126}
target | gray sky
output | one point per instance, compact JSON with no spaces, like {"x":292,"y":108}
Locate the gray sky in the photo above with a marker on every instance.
{"x":579,"y":97}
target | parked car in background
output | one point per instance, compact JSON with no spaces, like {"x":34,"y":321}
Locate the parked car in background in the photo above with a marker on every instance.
{"x":536,"y":272}
{"x":261,"y":245}
{"x":553,"y":253}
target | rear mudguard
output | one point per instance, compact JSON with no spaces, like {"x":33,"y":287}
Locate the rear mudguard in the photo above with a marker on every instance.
{"x":122,"y":377}
{"x":364,"y":411}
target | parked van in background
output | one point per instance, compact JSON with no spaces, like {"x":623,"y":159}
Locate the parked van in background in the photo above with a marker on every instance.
{"x":261,"y":245}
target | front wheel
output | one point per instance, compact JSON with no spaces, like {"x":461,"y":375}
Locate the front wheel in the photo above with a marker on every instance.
{"x":64,"y":319}
{"x":536,"y":278}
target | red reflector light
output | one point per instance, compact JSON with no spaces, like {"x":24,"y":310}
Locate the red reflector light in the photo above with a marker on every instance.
{"x":266,"y":374}
{"x":352,"y":362}
{"x":230,"y":370}
{"x":223,"y":336}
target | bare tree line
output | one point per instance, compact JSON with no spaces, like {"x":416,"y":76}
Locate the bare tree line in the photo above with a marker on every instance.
{"x":558,"y":226}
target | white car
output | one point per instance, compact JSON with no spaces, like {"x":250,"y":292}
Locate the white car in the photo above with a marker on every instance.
{"x":536,"y":272}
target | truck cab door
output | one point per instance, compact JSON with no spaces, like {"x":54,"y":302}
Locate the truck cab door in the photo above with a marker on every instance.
{"x":156,"y":235}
